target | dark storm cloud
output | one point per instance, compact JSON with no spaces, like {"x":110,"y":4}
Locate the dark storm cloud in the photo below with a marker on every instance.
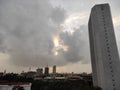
{"x":26,"y":32}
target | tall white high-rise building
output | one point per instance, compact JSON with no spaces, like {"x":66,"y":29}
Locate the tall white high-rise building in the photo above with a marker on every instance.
{"x":104,"y":52}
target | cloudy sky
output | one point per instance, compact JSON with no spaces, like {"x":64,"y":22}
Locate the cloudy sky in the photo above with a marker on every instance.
{"x":37,"y":33}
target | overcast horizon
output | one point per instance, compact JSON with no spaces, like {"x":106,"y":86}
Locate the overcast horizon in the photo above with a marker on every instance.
{"x":37,"y":33}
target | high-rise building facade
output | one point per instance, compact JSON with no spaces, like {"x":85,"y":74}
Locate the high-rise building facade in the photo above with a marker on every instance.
{"x":54,"y":69}
{"x":46,"y":71}
{"x":104,"y":53}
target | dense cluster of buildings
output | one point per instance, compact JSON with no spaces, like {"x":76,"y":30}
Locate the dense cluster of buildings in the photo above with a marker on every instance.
{"x":44,"y":74}
{"x":40,"y":72}
{"x":12,"y":81}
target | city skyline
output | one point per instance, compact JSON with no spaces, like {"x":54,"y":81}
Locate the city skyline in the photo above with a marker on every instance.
{"x":23,"y":28}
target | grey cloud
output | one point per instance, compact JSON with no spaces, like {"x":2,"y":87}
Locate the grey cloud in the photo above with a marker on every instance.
{"x":85,"y":6}
{"x":26,"y":32}
{"x":58,"y":15}
{"x":78,"y":48}
{"x":80,"y":6}
{"x":117,"y":34}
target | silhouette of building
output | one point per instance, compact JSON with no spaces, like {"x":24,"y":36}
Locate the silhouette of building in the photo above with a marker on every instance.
{"x":54,"y":69}
{"x":39,"y":71}
{"x":104,"y":53}
{"x":46,"y":71}
{"x":30,"y":74}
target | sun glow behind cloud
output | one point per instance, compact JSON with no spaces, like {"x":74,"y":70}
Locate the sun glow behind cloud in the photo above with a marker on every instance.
{"x":116,"y":20}
{"x":74,"y":21}
{"x":58,"y":45}
{"x":56,"y":40}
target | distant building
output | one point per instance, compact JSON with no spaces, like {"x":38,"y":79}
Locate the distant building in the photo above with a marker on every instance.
{"x":54,"y":69}
{"x":30,"y":74}
{"x":1,"y":74}
{"x":39,"y":71}
{"x":4,"y":72}
{"x":74,"y":77}
{"x":46,"y":71}
{"x":104,"y":52}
